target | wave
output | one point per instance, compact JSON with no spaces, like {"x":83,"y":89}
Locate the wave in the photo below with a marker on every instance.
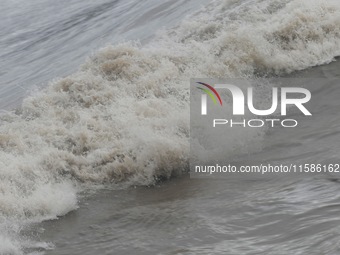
{"x":124,"y":116}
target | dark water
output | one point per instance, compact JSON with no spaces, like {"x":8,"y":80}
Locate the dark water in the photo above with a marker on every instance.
{"x":188,"y":216}
{"x":291,"y":214}
{"x":42,"y":40}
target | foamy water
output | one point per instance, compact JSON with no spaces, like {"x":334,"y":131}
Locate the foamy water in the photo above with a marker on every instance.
{"x":123,"y":117}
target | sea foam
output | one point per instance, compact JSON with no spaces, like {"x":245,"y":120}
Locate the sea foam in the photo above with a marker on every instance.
{"x":124,"y":116}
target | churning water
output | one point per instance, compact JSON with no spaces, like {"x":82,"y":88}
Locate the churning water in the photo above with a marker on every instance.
{"x":122,"y":120}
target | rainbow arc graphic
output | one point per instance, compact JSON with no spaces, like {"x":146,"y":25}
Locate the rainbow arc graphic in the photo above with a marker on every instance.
{"x":211,"y":92}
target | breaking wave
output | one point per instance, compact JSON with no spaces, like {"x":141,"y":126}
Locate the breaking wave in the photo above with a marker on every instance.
{"x":124,"y":116}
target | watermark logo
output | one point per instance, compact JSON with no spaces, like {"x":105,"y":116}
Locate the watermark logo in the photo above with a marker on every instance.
{"x":211,"y":91}
{"x":243,"y":100}
{"x":239,"y":99}
{"x":251,"y":126}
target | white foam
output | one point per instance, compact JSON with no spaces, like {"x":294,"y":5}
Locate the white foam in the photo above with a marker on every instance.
{"x":8,"y":246}
{"x":125,"y":115}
